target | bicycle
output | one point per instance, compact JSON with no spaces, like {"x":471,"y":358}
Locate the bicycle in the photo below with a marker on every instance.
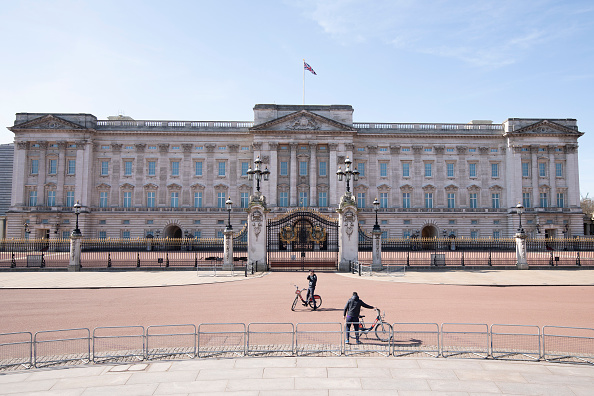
{"x":383,"y":330}
{"x":299,"y":296}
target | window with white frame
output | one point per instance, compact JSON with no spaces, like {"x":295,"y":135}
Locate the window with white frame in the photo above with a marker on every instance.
{"x":244,"y":199}
{"x":104,"y":168}
{"x":152,"y":168}
{"x":406,"y":169}
{"x":558,"y":169}
{"x":383,"y":169}
{"x":494,"y":170}
{"x":69,"y":199}
{"x":428,"y":170}
{"x":472,"y":169}
{"x":127,"y":199}
{"x":428,"y":200}
{"x":127,"y":168}
{"x":222,"y":168}
{"x":198,"y":168}
{"x":51,"y":198}
{"x":126,"y":234}
{"x":361,"y":200}
{"x":103,"y":199}
{"x":560,"y":200}
{"x":303,"y":202}
{"x":451,"y":200}
{"x":34,"y":166}
{"x":302,"y":168}
{"x":544,"y":200}
{"x":383,"y":200}
{"x":525,"y":169}
{"x":244,"y":168}
{"x":473,"y":200}
{"x":221,"y":199}
{"x":495,"y":200}
{"x":542,"y":169}
{"x":198,"y":199}
{"x":474,"y":234}
{"x":450,"y":169}
{"x":323,"y":169}
{"x":283,"y":199}
{"x":71,"y":167}
{"x":406,"y":200}
{"x":496,"y":234}
{"x":174,"y":168}
{"x":526,"y":200}
{"x":150,"y":199}
{"x":323,"y":199}
{"x":361,"y":169}
{"x":53,"y":167}
{"x":284,"y":168}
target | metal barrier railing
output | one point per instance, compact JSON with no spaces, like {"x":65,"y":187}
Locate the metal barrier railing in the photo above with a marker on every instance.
{"x":118,"y":343}
{"x":72,"y":345}
{"x":568,"y":344}
{"x":126,"y":343}
{"x":318,"y":339}
{"x":412,"y":338}
{"x":170,"y":341}
{"x":515,"y":342}
{"x":464,"y":338}
{"x":16,"y":349}
{"x":215,"y":339}
{"x":265,"y":338}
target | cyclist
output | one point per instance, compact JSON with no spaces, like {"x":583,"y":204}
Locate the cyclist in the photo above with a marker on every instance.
{"x":351,"y":315}
{"x":313,"y":279}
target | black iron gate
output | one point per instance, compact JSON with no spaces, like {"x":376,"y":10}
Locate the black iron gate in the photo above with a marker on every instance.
{"x":302,"y":240}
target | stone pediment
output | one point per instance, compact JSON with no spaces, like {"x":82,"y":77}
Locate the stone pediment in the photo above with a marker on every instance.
{"x":303,"y":122}
{"x":48,"y":122}
{"x":545,"y":127}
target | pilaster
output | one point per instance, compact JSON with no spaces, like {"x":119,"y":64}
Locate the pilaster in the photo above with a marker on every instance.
{"x":348,"y":233}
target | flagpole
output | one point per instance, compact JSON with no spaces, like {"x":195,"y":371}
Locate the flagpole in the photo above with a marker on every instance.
{"x":303,"y":81}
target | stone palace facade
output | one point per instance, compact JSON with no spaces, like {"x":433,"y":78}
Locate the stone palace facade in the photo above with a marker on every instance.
{"x":172,"y":178}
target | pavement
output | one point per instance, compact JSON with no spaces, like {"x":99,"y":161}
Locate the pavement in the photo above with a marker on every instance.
{"x":344,"y":375}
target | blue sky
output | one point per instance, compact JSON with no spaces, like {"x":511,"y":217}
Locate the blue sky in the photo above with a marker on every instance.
{"x":448,"y":61}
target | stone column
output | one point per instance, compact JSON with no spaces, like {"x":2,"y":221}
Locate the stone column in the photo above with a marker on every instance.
{"x":228,"y":249}
{"x":42,"y":173}
{"x":416,"y":177}
{"x":62,"y":166}
{"x":313,"y":174}
{"x":333,"y":194}
{"x":293,"y":175}
{"x":139,"y":174}
{"x":535,"y":184}
{"x":572,"y":176}
{"x":372,"y":173}
{"x":257,"y":233}
{"x":18,"y":181}
{"x":273,"y":168}
{"x":116,"y":167}
{"x":376,"y":264}
{"x":209,"y":200}
{"x":75,"y":249}
{"x":234,"y":172}
{"x":348,"y":233}
{"x":187,"y":171}
{"x":521,"y":262}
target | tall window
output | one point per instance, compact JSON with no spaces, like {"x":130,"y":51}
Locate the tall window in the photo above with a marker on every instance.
{"x":53,"y":167}
{"x":406,"y":200}
{"x":32,"y":198}
{"x":495,"y":200}
{"x":69,"y":199}
{"x":323,"y":199}
{"x":360,"y":200}
{"x":198,"y":168}
{"x":526,"y":201}
{"x":542,"y":169}
{"x":126,"y":234}
{"x":544,"y":201}
{"x":494,"y":170}
{"x":560,"y":200}
{"x":175,"y":199}
{"x":150,"y":199}
{"x":127,"y":168}
{"x":473,"y":200}
{"x":244,"y":168}
{"x":496,"y":234}
{"x":405,"y":169}
{"x":198,"y":199}
{"x":284,"y":168}
{"x":71,"y":167}
{"x":127,"y":199}
{"x":152,"y":168}
{"x":174,"y":168}
{"x":221,"y":200}
{"x":222,"y":168}
{"x":283,"y":199}
{"x":428,"y":169}
{"x":34,"y":167}
{"x":51,"y":198}
{"x":450,"y":169}
{"x":428,"y":200}
{"x":244,"y":199}
{"x":383,"y":169}
{"x":472,"y":170}
{"x":302,"y":168}
{"x":384,"y":200}
{"x":104,"y":168}
{"x":361,"y":169}
{"x":323,"y":168}
{"x":451,"y":200}
{"x":558,"y":169}
{"x":102,"y":234}
{"x":103,"y":199}
{"x":525,"y":169}
{"x":303,"y":199}
{"x":474,"y":234}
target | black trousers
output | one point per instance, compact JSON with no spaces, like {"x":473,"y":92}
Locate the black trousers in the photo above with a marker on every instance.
{"x":355,"y":323}
{"x":310,"y":292}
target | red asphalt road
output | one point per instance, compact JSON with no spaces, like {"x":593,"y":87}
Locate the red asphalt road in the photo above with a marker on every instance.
{"x":268,"y":299}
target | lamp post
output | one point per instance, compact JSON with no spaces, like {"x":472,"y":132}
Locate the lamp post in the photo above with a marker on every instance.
{"x":376,"y":205}
{"x":229,"y":205}
{"x":27,"y":230}
{"x":347,"y":174}
{"x":77,"y":207}
{"x":258,"y":173}
{"x":520,"y":210}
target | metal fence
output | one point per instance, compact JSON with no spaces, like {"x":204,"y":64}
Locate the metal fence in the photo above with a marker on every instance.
{"x":69,"y":347}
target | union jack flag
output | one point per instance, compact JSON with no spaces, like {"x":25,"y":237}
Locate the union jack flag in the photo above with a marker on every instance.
{"x":308,"y":67}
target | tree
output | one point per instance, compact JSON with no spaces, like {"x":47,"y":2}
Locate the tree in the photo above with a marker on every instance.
{"x":587,"y":205}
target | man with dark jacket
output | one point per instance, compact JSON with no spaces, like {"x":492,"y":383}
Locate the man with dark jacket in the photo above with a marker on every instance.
{"x":313,"y":279}
{"x":351,"y":314}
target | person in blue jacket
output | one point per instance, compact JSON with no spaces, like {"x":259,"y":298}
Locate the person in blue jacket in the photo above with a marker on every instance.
{"x":351,"y":315}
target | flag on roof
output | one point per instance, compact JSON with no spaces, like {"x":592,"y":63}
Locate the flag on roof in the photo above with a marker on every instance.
{"x":308,"y":67}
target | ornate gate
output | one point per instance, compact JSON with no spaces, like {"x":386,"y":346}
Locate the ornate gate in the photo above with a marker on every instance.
{"x":302,"y":240}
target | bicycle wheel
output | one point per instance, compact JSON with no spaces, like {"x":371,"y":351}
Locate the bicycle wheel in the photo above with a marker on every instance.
{"x":318,"y":301}
{"x":383,"y":331}
{"x":294,"y":303}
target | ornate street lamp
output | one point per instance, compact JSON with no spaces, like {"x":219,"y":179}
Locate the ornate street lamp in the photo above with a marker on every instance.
{"x":520,"y":210}
{"x":348,"y":173}
{"x":229,"y":205}
{"x":376,"y":205}
{"x":77,"y":207}
{"x":27,"y":230}
{"x":258,"y":173}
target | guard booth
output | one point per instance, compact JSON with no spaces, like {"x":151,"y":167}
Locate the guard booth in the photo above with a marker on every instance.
{"x":302,"y":240}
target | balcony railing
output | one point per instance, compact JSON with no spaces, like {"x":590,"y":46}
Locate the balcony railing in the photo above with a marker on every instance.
{"x":424,"y":127}
{"x":173,"y":124}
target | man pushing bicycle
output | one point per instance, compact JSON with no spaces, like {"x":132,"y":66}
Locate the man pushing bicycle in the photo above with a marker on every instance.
{"x":351,"y":314}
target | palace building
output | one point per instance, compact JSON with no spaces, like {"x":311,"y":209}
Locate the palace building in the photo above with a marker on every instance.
{"x":172,"y":178}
